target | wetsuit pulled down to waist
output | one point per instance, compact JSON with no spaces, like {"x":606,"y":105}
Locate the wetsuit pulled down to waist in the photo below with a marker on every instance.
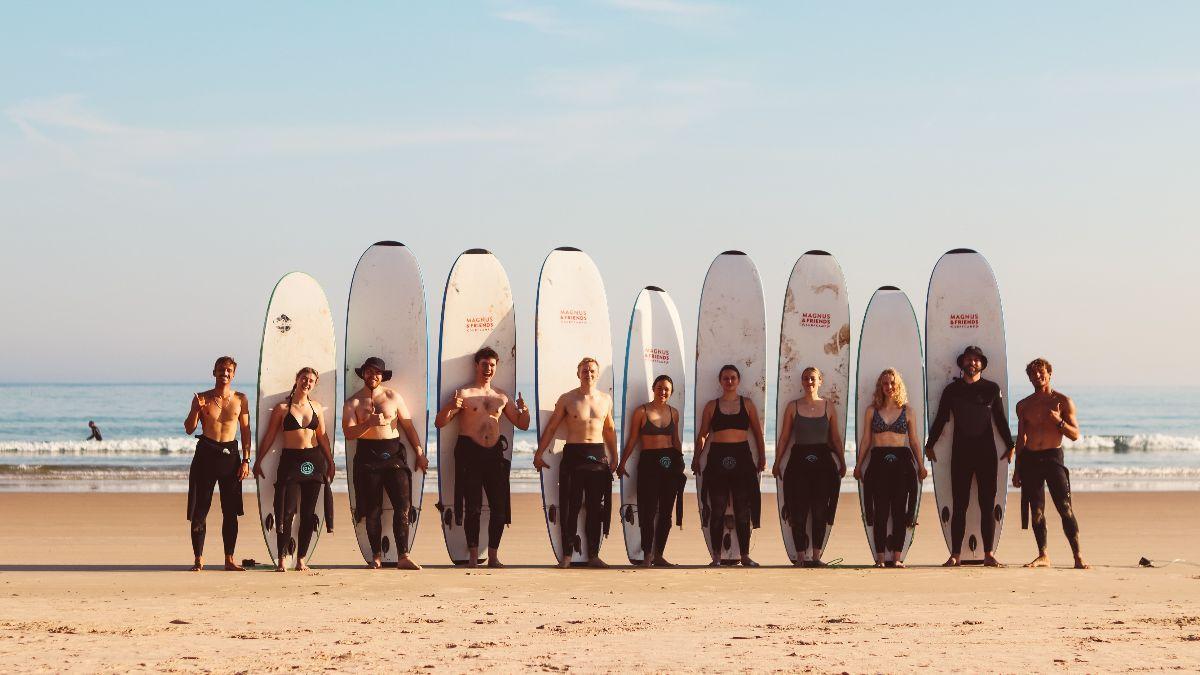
{"x":660,"y":483}
{"x":731,"y":476}
{"x":381,"y":466}
{"x":1039,"y":470}
{"x":302,"y":474}
{"x":810,"y":488}
{"x":214,"y":464}
{"x":480,"y":470}
{"x":585,"y":482}
{"x":890,"y":486}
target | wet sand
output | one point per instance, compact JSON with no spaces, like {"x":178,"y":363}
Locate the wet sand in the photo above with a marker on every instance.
{"x":99,"y":582}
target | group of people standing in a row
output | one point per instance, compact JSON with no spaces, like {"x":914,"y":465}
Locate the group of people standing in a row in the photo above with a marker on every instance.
{"x":890,"y":460}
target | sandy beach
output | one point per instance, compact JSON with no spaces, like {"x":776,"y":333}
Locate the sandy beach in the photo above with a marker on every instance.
{"x":99,"y":582}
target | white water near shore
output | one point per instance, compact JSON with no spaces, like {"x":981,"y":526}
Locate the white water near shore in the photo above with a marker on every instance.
{"x":1147,"y":439}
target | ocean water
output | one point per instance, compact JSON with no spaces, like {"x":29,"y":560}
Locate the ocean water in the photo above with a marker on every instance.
{"x":1134,"y":439}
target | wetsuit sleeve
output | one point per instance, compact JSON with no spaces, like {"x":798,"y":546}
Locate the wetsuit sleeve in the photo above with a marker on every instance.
{"x":943,"y":415}
{"x":1000,"y":415}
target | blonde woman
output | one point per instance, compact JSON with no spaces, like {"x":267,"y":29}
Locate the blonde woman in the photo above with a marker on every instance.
{"x":894,"y":460}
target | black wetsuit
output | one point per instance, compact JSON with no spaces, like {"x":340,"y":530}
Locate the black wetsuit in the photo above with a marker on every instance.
{"x":811,"y":481}
{"x":380,"y":466}
{"x":480,"y":470}
{"x":584,"y":481}
{"x":730,"y":474}
{"x":660,"y":483}
{"x":890,"y":487}
{"x":214,"y":464}
{"x":1040,"y":468}
{"x":298,"y":485}
{"x":975,"y":406}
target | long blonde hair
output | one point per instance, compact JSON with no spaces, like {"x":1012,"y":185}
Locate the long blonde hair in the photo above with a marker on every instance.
{"x":899,"y":396}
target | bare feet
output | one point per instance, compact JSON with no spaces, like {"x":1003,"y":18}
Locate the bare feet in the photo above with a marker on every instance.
{"x":952,"y":561}
{"x":565,"y":562}
{"x":989,"y":560}
{"x":472,"y":557}
{"x":1042,"y":560}
{"x":747,"y":562}
{"x":376,"y":563}
{"x":198,"y":565}
{"x":647,"y":561}
{"x":879,"y":564}
{"x":495,"y":563}
{"x":662,"y":562}
{"x":1081,"y":565}
{"x":406,"y":563}
{"x":280,"y":567}
{"x":231,"y":566}
{"x":301,"y":566}
{"x":899,"y":564}
{"x":597,"y":563}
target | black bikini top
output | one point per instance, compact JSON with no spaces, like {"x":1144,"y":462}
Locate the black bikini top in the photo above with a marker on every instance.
{"x":739,"y":420}
{"x":290,"y":423}
{"x":899,"y":426}
{"x":651,"y":429}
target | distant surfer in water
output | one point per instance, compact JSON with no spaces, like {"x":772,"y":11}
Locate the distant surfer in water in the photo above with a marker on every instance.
{"x":305,"y":466}
{"x":811,"y":434}
{"x":95,"y":435}
{"x":894,"y":463}
{"x":1043,"y":419}
{"x":975,"y":404}
{"x":731,"y":473}
{"x":220,"y":413}
{"x":660,"y":477}
{"x":479,"y":464}
{"x":374,"y":416}
{"x":588,"y":460}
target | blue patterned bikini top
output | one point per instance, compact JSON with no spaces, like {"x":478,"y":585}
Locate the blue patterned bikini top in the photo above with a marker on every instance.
{"x":900,"y":426}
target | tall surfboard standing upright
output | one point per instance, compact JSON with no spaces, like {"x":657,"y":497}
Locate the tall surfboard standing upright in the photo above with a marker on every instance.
{"x":297,"y":332}
{"x":731,"y":329}
{"x":477,"y":312}
{"x":653,"y":347}
{"x":572,"y":322}
{"x":963,"y":308}
{"x":385,"y":317}
{"x":890,"y":338}
{"x":815,"y":331}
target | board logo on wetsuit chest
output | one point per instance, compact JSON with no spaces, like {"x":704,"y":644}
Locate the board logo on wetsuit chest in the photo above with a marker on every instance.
{"x":664,"y":462}
{"x":729,"y":462}
{"x":386,"y":455}
{"x":283,"y":323}
{"x":307,"y":468}
{"x":964,"y":321}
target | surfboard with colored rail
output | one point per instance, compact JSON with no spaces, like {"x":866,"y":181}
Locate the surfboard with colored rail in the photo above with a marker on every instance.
{"x":963,"y":308}
{"x":477,"y":312}
{"x":385,"y":317}
{"x":571,"y":322}
{"x":653,"y":347}
{"x":297,"y":332}
{"x":731,"y":329}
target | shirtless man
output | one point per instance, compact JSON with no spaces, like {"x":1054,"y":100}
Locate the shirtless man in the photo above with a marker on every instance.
{"x":588,"y":460}
{"x":220,"y":412}
{"x":1043,"y":419}
{"x":374,"y":416}
{"x":479,"y":463}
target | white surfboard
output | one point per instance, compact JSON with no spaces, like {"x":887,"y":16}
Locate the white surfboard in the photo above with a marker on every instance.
{"x":385,"y":317}
{"x":963,"y":308}
{"x":890,"y":338}
{"x":477,"y":312}
{"x":572,"y":322}
{"x":731,"y":329}
{"x":653,"y":347}
{"x":297,"y":332}
{"x":815,"y":331}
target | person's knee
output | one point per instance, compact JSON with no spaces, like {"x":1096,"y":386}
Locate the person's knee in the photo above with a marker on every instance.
{"x":198,"y":526}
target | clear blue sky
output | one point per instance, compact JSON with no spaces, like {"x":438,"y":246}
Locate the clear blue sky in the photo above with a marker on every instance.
{"x":161,"y":165}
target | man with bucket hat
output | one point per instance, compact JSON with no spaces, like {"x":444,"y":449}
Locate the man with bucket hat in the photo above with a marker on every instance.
{"x":374,"y":416}
{"x":975,"y":404}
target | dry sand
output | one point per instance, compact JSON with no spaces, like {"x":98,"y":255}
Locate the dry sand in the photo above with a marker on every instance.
{"x":98,"y":582}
